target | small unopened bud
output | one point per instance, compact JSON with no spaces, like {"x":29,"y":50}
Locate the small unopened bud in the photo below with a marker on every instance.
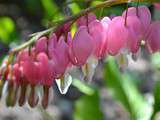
{"x":10,"y":100}
{"x":45,"y":98}
{"x":33,"y":98}
{"x":22,"y":97}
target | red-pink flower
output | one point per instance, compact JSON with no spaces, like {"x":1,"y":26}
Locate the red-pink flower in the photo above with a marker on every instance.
{"x":98,"y":31}
{"x":124,"y":34}
{"x":85,"y":20}
{"x":153,"y":37}
{"x":117,"y":35}
{"x":41,"y":45}
{"x":136,"y":33}
{"x":81,"y":47}
{"x":45,"y":70}
{"x":142,"y":13}
{"x":58,"y":53}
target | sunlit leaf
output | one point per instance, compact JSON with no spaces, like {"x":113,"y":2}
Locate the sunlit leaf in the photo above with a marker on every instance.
{"x":7,"y":30}
{"x":83,"y":87}
{"x":156,"y":106}
{"x":156,"y":60}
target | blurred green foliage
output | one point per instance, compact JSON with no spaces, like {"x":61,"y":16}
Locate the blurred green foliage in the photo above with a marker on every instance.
{"x":7,"y":30}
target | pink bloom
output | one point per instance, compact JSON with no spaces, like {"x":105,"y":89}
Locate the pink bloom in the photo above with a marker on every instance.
{"x":117,"y":35}
{"x":81,"y":47}
{"x":59,"y":56}
{"x":123,"y":35}
{"x":143,"y":14}
{"x":82,"y":21}
{"x":41,"y":45}
{"x":31,"y":71}
{"x":17,"y":74}
{"x":136,"y":34}
{"x":98,"y":31}
{"x":63,"y":29}
{"x":52,"y":43}
{"x":153,"y":37}
{"x":45,"y":69}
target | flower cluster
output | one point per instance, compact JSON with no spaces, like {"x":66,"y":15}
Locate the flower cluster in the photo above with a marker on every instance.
{"x":53,"y":57}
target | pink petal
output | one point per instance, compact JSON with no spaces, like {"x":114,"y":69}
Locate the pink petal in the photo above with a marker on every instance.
{"x":52,"y":43}
{"x":153,"y":37}
{"x":135,"y":27}
{"x":41,"y":45}
{"x":82,"y":45}
{"x":60,"y":57}
{"x":46,"y":73}
{"x":117,"y":35}
{"x":83,"y":20}
{"x":143,"y":14}
{"x":96,"y":30}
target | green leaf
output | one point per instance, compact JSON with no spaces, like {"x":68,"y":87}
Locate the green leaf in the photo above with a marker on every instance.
{"x":7,"y":30}
{"x":88,"y":108}
{"x":75,"y":8}
{"x":52,"y":11}
{"x":155,"y":59}
{"x":156,"y":106}
{"x":83,"y":87}
{"x":123,"y":89}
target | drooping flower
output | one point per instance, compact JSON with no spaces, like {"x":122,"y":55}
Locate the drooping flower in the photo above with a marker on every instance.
{"x":98,"y":31}
{"x":85,"y":20}
{"x":41,"y":45}
{"x":81,"y":47}
{"x":117,"y":35}
{"x":153,"y":37}
{"x":142,"y":13}
{"x":59,"y":55}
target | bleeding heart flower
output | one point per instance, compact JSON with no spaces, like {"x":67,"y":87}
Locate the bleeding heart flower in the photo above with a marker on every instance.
{"x":45,"y":69}
{"x":31,"y":71}
{"x":85,"y":20}
{"x":135,"y":33}
{"x":81,"y":47}
{"x":41,"y":45}
{"x":117,"y":35}
{"x":142,"y":13}
{"x":17,"y":74}
{"x":153,"y":37}
{"x":59,"y":56}
{"x":100,"y":39}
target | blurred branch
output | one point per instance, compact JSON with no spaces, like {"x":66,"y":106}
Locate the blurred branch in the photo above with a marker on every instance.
{"x":60,"y":23}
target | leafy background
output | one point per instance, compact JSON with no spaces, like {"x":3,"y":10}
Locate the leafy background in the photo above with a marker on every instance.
{"x":133,"y":95}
